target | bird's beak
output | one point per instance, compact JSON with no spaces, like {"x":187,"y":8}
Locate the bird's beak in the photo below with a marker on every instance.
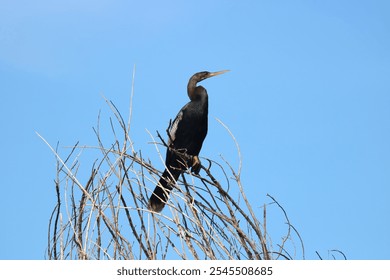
{"x":212,"y":74}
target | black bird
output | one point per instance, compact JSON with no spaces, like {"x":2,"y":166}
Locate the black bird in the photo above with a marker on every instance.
{"x":186,"y":135}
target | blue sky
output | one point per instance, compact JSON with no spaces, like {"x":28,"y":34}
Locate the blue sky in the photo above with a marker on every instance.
{"x":307,"y":98}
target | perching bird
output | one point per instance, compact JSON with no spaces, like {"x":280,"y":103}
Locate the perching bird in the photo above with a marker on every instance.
{"x":186,"y":135}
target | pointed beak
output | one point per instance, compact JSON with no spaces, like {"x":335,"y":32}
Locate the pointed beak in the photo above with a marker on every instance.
{"x":212,"y":74}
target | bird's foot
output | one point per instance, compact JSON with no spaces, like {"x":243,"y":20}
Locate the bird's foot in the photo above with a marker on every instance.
{"x":195,"y":165}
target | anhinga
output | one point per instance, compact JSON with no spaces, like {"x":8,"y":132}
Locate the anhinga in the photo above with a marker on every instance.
{"x":186,"y":135}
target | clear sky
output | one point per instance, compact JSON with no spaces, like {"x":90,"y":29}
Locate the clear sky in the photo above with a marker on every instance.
{"x":308,"y":99}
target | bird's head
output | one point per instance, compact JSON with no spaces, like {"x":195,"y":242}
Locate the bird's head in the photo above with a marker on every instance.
{"x":200,"y":76}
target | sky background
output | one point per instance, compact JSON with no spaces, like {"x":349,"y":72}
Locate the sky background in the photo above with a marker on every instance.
{"x":307,"y":98}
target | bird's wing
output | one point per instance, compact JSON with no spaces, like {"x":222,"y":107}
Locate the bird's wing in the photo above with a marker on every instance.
{"x":174,"y":126}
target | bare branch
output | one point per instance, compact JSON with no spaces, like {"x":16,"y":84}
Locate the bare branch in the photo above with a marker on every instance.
{"x":208,"y":215}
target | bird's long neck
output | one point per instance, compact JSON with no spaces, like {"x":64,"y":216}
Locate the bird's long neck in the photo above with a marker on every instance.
{"x":198,"y":94}
{"x":191,"y":89}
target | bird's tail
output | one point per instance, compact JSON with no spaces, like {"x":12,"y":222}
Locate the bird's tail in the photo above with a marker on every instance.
{"x":160,"y":194}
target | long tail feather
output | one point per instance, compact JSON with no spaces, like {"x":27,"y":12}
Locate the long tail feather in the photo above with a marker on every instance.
{"x":160,"y":194}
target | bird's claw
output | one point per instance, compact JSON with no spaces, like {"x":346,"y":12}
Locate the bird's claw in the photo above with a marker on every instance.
{"x":195,"y":165}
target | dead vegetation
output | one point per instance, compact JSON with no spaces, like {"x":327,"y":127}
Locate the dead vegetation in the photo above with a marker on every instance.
{"x":104,"y":215}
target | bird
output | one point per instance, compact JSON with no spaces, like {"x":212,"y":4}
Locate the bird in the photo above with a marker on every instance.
{"x":186,"y":135}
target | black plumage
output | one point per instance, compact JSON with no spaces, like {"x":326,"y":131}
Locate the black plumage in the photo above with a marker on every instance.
{"x":186,"y":135}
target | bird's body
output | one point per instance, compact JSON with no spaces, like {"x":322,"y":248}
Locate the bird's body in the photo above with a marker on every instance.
{"x":186,"y":135}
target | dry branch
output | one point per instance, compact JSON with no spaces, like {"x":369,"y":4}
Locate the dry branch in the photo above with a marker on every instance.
{"x":208,"y":216}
